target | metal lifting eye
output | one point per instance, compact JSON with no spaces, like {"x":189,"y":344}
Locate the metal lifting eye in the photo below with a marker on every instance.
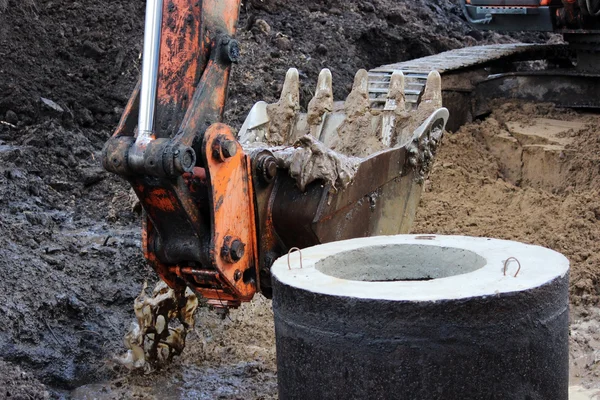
{"x":288,"y":256}
{"x":509,"y":259}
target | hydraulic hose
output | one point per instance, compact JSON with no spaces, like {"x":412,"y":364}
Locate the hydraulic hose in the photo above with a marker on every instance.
{"x":486,"y":20}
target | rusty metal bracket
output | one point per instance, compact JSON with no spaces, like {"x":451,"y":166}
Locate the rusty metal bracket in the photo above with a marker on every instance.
{"x":199,"y":217}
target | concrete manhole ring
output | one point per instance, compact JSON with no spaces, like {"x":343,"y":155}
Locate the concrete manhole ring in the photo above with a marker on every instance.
{"x":422,"y":317}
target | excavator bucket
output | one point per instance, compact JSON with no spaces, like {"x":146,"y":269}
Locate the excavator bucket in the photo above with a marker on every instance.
{"x":342,"y":169}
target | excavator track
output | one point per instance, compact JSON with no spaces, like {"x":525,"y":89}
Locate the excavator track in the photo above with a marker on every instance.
{"x":453,"y":61}
{"x":469,"y":57}
{"x":416,"y":71}
{"x":474,"y":76}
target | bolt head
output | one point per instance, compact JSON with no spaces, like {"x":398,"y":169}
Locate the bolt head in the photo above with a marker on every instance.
{"x":270,"y":168}
{"x":187,"y":160}
{"x":184,"y":159}
{"x":236,"y":250}
{"x":233,"y":51}
{"x":267,"y":168}
{"x":237,"y":275}
{"x":229,"y":148}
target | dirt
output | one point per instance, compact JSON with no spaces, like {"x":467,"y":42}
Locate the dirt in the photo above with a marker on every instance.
{"x":16,"y":384}
{"x":468,"y":193}
{"x":468,"y":180}
{"x":70,"y":241}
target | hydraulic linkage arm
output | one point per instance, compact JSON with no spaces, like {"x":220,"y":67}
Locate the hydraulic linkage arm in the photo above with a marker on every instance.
{"x":189,"y":172}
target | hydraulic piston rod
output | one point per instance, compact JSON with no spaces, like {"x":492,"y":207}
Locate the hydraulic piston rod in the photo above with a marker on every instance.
{"x":150,"y":64}
{"x":150,"y":69}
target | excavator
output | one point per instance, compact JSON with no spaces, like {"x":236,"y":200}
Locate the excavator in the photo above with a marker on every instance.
{"x":220,"y":206}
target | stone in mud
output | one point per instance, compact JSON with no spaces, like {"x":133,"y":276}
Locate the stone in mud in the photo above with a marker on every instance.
{"x":51,"y":105}
{"x":11,"y":117}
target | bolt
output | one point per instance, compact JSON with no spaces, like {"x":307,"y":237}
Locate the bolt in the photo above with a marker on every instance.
{"x":267,"y":167}
{"x":237,"y":275}
{"x":236,"y":250}
{"x":187,"y":161}
{"x":270,"y":168}
{"x":228,"y":148}
{"x":184,"y":158}
{"x":232,"y":50}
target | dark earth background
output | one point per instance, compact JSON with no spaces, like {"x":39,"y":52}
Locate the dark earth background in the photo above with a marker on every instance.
{"x":70,"y":258}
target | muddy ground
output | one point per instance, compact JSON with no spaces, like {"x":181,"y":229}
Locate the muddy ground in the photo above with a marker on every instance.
{"x":69,"y":241}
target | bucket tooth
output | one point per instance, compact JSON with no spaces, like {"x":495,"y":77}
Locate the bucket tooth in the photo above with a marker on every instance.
{"x":290,"y":93}
{"x":396,"y":93}
{"x":357,"y":102}
{"x":273,"y":123}
{"x":282,"y":114}
{"x":394,"y":105}
{"x":321,"y":103}
{"x":359,"y":129}
{"x":432,"y":95}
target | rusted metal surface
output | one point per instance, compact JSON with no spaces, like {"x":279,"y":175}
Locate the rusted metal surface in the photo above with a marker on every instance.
{"x":208,"y":102}
{"x":128,"y":120}
{"x":115,"y":152}
{"x":192,"y":202}
{"x":182,"y":60}
{"x":266,"y":180}
{"x":233,"y":248}
{"x":189,"y":31}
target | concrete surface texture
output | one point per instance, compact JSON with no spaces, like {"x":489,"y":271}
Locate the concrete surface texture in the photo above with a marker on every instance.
{"x":318,"y":274}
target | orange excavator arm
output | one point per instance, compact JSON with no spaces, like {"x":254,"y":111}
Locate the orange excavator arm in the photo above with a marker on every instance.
{"x":190,"y":174}
{"x":216,"y":214}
